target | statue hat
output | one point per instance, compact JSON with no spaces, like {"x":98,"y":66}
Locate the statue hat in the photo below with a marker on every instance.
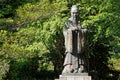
{"x":74,"y":8}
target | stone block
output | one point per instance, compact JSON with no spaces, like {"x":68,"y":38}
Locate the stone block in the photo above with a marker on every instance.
{"x":74,"y":77}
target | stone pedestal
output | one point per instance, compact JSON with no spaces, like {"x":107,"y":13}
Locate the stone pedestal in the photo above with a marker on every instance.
{"x":74,"y":76}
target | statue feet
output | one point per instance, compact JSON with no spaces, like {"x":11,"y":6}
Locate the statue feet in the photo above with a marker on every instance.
{"x":70,"y":69}
{"x":67,"y":69}
{"x":80,"y":70}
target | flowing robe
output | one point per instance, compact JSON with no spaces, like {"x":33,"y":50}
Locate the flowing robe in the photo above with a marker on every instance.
{"x":75,"y":44}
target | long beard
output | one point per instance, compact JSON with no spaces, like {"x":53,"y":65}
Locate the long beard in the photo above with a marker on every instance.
{"x":75,"y":21}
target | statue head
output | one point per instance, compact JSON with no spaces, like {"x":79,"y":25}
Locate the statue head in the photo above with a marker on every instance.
{"x":74,"y":8}
{"x":74,"y":13}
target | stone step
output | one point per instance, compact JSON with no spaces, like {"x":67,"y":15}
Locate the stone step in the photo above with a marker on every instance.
{"x":74,"y":77}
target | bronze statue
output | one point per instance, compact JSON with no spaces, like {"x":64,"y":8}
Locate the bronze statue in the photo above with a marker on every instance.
{"x":75,"y":44}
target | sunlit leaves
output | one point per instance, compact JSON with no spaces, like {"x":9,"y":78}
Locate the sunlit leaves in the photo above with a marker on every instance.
{"x":32,"y":12}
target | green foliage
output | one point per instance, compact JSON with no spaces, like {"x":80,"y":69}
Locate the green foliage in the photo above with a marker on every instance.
{"x":103,"y":20}
{"x":41,"y":10}
{"x":20,"y":47}
{"x":115,"y":60}
{"x":22,"y":69}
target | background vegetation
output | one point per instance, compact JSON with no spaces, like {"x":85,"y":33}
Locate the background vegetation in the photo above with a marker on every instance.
{"x":32,"y":43}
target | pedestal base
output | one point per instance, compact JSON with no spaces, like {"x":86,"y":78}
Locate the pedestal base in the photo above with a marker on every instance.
{"x":74,"y":76}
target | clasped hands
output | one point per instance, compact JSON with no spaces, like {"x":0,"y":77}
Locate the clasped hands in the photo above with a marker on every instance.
{"x":73,"y":28}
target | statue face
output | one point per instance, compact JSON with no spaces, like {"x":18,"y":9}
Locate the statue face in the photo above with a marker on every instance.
{"x":74,"y":13}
